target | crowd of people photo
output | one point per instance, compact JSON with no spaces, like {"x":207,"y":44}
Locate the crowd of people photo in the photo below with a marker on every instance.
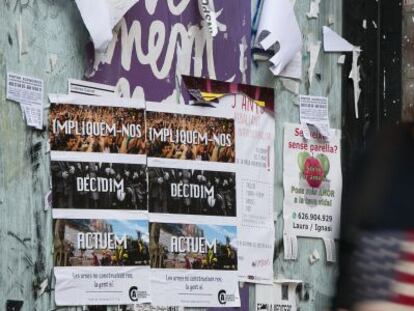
{"x":208,"y":192}
{"x":128,"y":122}
{"x":90,"y":185}
{"x":173,"y":147}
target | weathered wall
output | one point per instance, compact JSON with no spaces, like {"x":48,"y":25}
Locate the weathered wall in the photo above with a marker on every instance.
{"x":319,"y":278}
{"x":54,"y":27}
{"x":49,"y":27}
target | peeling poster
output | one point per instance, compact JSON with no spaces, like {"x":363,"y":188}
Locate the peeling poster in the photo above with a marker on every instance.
{"x":158,"y":41}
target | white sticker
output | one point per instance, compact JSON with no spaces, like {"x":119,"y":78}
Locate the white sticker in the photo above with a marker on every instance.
{"x":314,"y":112}
{"x":27,"y":91}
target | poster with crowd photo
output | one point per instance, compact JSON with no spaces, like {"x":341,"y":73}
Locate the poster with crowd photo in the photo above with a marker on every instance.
{"x":196,"y":263}
{"x":80,"y":123}
{"x":207,"y":189}
{"x":190,"y":133}
{"x":100,"y":261}
{"x":158,"y":41}
{"x":312,"y":182}
{"x":98,"y":181}
{"x":254,"y":121}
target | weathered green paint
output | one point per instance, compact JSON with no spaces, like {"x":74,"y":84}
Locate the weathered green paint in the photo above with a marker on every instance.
{"x":55,"y":27}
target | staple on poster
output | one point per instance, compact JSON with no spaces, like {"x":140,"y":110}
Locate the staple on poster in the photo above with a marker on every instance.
{"x":314,"y":9}
{"x":279,"y":27}
{"x":101,"y":17}
{"x":313,"y":49}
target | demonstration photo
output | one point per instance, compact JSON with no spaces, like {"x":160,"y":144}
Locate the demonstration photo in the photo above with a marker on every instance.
{"x":100,"y":129}
{"x":191,"y":192}
{"x":100,"y":242}
{"x":191,"y":246}
{"x":97,"y":185}
{"x":190,"y":137}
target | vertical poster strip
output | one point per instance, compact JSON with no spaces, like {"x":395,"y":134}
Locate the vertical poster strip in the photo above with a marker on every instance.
{"x":98,"y":168}
{"x":253,"y":109}
{"x":312,"y":182}
{"x":192,"y":206}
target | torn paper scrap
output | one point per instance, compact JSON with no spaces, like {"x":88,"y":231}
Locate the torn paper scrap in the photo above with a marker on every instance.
{"x":314,"y":257}
{"x":333,"y":42}
{"x":314,"y":9}
{"x":52,"y":60}
{"x":90,"y":88}
{"x":341,"y":59}
{"x":279,"y":26}
{"x":33,"y":113}
{"x":48,"y":201}
{"x":330,"y":249}
{"x":293,"y":70}
{"x":356,"y":77}
{"x":314,"y":112}
{"x":100,"y":17}
{"x":21,"y":38}
{"x":314,"y":50}
{"x":209,"y":16}
{"x":290,"y":245}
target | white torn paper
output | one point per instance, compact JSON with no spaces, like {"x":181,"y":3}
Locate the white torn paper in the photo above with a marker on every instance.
{"x":209,"y":16}
{"x":356,"y":77}
{"x":341,"y":59}
{"x":90,"y":88}
{"x":28,"y":92}
{"x":21,"y":39}
{"x":330,"y":250}
{"x":313,"y":49}
{"x":364,"y":24}
{"x":279,"y":26}
{"x":290,"y":245}
{"x":314,"y":112}
{"x":52,"y":60}
{"x":314,"y":9}
{"x":314,"y":257}
{"x":294,"y":68}
{"x":48,"y":201}
{"x":100,"y":17}
{"x":333,"y":42}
